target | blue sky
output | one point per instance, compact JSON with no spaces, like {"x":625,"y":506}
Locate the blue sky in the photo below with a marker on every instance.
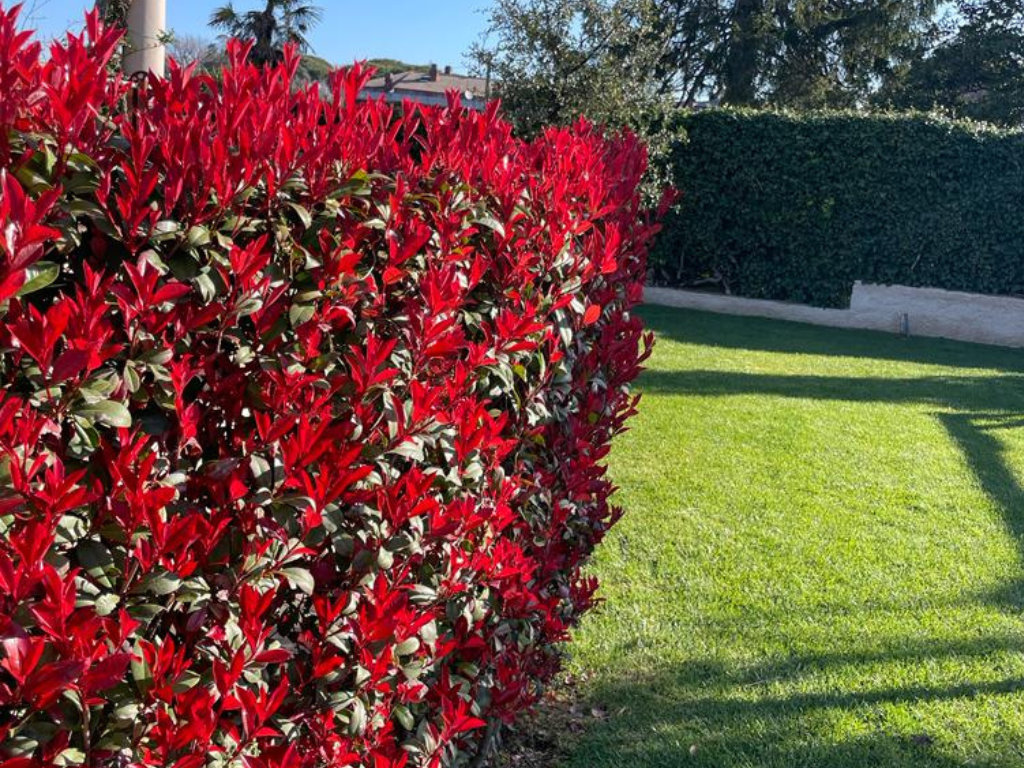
{"x":417,"y":31}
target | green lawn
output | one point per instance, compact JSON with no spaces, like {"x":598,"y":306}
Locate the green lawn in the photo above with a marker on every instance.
{"x":821,"y":558}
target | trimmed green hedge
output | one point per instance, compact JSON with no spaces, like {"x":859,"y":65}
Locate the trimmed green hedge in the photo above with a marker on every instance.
{"x":798,"y":207}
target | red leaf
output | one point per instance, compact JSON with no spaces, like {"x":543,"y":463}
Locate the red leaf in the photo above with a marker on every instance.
{"x":276,"y":656}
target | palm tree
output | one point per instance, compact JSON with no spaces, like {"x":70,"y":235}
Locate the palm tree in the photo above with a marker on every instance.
{"x":114,"y":12}
{"x":278,"y":23}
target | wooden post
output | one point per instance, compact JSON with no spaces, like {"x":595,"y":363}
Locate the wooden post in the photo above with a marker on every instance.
{"x":147,"y":22}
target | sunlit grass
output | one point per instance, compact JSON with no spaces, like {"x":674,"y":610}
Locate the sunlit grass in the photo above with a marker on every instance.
{"x":821,"y":559}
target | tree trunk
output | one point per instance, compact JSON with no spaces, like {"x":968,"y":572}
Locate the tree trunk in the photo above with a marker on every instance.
{"x":264,"y":50}
{"x":743,"y":54}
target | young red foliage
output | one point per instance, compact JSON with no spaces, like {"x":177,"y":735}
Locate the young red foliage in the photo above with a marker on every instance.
{"x":304,"y":404}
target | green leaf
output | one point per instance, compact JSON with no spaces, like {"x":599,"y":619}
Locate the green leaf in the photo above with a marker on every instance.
{"x":421,"y":595}
{"x":70,"y":756}
{"x":131,"y":379}
{"x":115,"y":741}
{"x":300,"y":313}
{"x":81,"y":184}
{"x":165,"y":230}
{"x":145,"y":612}
{"x":38,"y":276}
{"x":126,"y":712}
{"x":249,"y":305}
{"x":357,"y":718}
{"x":404,"y":648}
{"x":141,"y":673}
{"x":303,"y":213}
{"x":106,"y":604}
{"x":81,"y":162}
{"x":206,"y":287}
{"x":108,"y":412}
{"x":20,"y":746}
{"x":97,"y":561}
{"x":198,"y":236}
{"x":32,"y":179}
{"x":159,"y":583}
{"x":404,"y":716}
{"x":358,"y":184}
{"x":411,"y":448}
{"x":492,"y":224}
{"x":300,"y":578}
{"x":186,"y":681}
{"x":98,"y":390}
{"x":70,"y":529}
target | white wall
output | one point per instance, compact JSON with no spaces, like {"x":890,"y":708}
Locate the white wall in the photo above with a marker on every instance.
{"x":923,"y":311}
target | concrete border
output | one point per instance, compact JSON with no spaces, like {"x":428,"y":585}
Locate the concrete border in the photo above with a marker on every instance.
{"x":931,"y":312}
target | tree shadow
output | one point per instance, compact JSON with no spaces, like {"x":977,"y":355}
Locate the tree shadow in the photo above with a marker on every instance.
{"x":792,"y":667}
{"x":765,"y":335}
{"x":866,"y":752}
{"x":984,"y":452}
{"x":703,"y":714}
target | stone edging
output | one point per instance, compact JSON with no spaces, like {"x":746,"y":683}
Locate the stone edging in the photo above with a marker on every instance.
{"x":891,"y":308}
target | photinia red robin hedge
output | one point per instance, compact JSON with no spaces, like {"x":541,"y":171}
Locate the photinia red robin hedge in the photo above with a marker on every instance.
{"x":304,"y":407}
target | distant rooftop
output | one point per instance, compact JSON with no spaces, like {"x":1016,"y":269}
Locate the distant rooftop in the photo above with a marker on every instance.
{"x":429,"y":87}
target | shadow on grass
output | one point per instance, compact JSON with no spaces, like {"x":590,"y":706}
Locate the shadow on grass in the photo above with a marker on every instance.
{"x":690,"y":718}
{"x":975,"y":434}
{"x":790,"y":668}
{"x":703,"y":715}
{"x":759,"y":334}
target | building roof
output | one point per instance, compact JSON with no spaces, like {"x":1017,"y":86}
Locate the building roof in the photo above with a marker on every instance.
{"x":433,"y":81}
